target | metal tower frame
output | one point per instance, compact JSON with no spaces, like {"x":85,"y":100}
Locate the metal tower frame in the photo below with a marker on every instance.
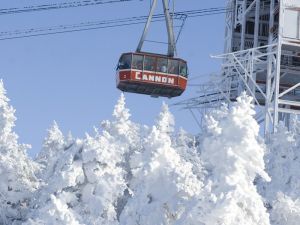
{"x":262,"y":57}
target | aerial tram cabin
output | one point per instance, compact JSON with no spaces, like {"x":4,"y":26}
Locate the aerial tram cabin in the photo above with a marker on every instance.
{"x":153,"y":74}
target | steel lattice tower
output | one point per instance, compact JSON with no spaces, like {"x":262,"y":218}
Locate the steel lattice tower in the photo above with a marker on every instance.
{"x":262,"y":57}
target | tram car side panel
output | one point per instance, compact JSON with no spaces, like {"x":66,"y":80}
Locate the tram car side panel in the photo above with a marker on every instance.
{"x":151,"y":74}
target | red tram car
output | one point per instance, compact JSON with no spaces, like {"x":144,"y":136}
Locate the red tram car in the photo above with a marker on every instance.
{"x":152,"y":74}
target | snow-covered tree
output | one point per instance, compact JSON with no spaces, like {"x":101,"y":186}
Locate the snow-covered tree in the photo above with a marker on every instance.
{"x":17,"y":178}
{"x":281,"y":163}
{"x":86,"y":185}
{"x":282,"y":193}
{"x":233,"y":157}
{"x":187,"y":146}
{"x":60,"y":191}
{"x":53,"y":147}
{"x":55,"y":211}
{"x":124,"y":133}
{"x":165,"y":121}
{"x":121,"y":127}
{"x":87,"y":179}
{"x":285,"y":210}
{"x":127,"y":137}
{"x":104,"y":183}
{"x":163,"y":185}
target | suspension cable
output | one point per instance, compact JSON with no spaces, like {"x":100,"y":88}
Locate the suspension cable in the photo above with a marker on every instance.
{"x":63,"y":5}
{"x":93,"y":25}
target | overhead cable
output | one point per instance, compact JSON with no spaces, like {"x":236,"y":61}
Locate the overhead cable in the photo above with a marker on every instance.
{"x":93,"y":25}
{"x":62,"y":5}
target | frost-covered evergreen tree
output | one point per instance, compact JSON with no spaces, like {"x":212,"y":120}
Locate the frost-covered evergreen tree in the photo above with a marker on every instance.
{"x":127,"y":137}
{"x":53,"y":147}
{"x":285,"y":210}
{"x":283,"y":192}
{"x":121,"y":127}
{"x":88,"y":177}
{"x":233,"y":158}
{"x":105,"y":182}
{"x":60,"y":192}
{"x":17,"y":179}
{"x":187,"y":147}
{"x":282,"y":160}
{"x":125,"y":134}
{"x":163,"y":185}
{"x":106,"y":166}
{"x":54,"y":211}
{"x":85,"y":186}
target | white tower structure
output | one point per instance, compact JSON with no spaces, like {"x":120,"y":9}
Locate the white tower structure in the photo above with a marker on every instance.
{"x":261,"y":56}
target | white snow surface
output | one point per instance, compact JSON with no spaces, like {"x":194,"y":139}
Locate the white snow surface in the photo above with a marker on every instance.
{"x":126,"y":173}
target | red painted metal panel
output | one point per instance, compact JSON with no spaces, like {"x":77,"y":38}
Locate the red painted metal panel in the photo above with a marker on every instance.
{"x":151,"y":83}
{"x":182,"y":82}
{"x":152,"y":78}
{"x":124,"y":75}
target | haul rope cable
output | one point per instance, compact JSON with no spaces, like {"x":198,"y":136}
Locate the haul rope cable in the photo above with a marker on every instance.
{"x":105,"y":24}
{"x":62,"y":5}
{"x":189,"y":13}
{"x":78,"y":27}
{"x":177,"y":15}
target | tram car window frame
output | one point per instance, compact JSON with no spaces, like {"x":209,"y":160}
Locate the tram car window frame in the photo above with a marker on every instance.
{"x":125,"y":62}
{"x":149,"y":63}
{"x":173,"y":66}
{"x":183,"y":69}
{"x":162,"y":65}
{"x":137,"y":62}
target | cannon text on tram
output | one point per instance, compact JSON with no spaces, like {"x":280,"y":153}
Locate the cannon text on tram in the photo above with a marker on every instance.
{"x":154,"y":78}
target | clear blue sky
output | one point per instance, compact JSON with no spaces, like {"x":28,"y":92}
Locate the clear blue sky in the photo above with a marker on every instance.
{"x":70,"y":77}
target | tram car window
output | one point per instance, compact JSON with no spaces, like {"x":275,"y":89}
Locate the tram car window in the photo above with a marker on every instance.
{"x":137,"y":62}
{"x":183,"y":69}
{"x":149,"y":63}
{"x":173,"y":66}
{"x":162,"y":65}
{"x":125,"y":62}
